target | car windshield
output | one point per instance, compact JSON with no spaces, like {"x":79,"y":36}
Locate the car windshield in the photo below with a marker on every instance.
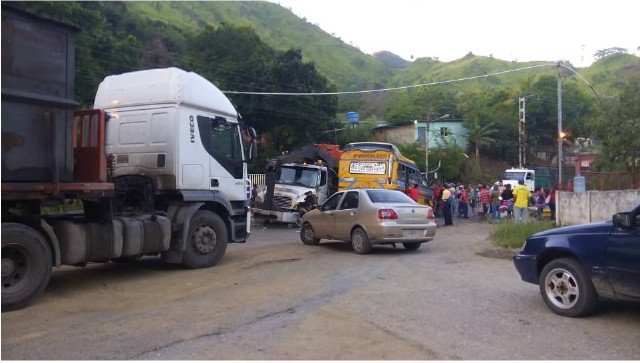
{"x":388,"y":196}
{"x":299,"y":176}
{"x":513,"y":175}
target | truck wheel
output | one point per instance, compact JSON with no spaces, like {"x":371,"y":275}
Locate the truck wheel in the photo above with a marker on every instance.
{"x":307,"y":235}
{"x":566,"y":288}
{"x":207,"y":240}
{"x":360,"y":241}
{"x":26,"y":265}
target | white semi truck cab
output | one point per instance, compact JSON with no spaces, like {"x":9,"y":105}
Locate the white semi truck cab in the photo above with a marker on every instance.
{"x":511,"y":177}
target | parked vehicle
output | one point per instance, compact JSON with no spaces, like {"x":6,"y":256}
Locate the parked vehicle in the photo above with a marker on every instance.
{"x":159,"y":165}
{"x":380,"y":165}
{"x":576,"y":265}
{"x":367,"y":217}
{"x":511,"y":177}
{"x":296,"y":183}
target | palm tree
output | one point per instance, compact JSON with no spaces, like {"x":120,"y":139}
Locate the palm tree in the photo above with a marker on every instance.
{"x":480,"y":135}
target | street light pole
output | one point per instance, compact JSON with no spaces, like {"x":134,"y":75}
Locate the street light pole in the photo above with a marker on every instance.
{"x":559,"y":127}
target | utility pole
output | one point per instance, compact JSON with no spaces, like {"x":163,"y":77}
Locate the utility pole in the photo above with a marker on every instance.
{"x":559,"y":126}
{"x":426,"y":150}
{"x":522,"y":138}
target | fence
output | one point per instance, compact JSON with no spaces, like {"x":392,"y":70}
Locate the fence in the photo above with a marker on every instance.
{"x":611,"y":181}
{"x":258,"y":179}
{"x":593,"y":206}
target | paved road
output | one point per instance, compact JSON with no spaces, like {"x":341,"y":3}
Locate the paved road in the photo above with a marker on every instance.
{"x":275,"y":298}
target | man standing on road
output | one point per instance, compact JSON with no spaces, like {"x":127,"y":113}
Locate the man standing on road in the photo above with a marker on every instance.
{"x":414,"y":192}
{"x":521,"y":194}
{"x":495,"y":204}
{"x":463,"y":208}
{"x":484,"y":201}
{"x":446,"y":207}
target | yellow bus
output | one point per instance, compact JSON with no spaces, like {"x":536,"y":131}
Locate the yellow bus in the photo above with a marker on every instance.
{"x":379,"y":165}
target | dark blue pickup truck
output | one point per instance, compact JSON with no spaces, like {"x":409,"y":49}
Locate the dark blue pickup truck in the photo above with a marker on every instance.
{"x":576,"y":265}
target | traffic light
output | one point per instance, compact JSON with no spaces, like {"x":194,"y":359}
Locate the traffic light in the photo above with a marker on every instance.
{"x":563,"y":135}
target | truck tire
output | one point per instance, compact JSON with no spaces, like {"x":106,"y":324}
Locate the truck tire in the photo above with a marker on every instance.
{"x":26,"y":265}
{"x":207,"y":240}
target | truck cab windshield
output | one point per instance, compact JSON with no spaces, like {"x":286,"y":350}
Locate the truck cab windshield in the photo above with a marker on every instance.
{"x":299,"y":176}
{"x":513,"y":175}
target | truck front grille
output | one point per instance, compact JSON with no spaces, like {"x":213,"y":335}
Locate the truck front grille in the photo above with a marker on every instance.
{"x":282,"y":201}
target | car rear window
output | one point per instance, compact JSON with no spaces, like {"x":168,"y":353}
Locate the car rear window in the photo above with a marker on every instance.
{"x":388,"y":196}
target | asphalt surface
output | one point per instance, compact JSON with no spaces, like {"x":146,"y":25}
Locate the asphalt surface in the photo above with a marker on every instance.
{"x":275,"y":298}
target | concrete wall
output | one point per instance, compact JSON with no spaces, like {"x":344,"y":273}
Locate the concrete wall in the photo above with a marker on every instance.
{"x":405,"y":134}
{"x":593,"y":206}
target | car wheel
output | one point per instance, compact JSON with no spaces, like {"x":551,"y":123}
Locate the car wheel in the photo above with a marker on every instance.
{"x":307,"y":235}
{"x":207,"y":240}
{"x":566,"y":288}
{"x":360,"y":241}
{"x":412,"y":246}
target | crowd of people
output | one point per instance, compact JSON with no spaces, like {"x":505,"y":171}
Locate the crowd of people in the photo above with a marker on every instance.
{"x":488,"y":201}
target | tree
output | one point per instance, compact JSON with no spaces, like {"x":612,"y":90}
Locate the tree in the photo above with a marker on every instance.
{"x":480,"y":136}
{"x":618,"y":130}
{"x":608,"y":51}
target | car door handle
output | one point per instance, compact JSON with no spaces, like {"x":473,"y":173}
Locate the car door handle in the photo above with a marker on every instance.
{"x":353,"y":213}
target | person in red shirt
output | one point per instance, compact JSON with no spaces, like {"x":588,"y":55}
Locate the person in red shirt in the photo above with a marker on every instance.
{"x":484,"y":200}
{"x":463,"y":210}
{"x":552,"y":203}
{"x":414,"y":192}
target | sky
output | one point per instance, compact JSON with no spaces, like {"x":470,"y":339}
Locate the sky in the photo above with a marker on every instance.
{"x":511,"y":30}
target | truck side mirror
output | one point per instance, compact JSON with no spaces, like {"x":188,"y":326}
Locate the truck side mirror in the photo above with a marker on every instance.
{"x":252,"y":153}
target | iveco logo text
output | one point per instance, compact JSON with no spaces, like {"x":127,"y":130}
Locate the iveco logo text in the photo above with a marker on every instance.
{"x":192,"y":130}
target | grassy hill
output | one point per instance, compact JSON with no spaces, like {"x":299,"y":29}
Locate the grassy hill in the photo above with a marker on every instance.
{"x":351,"y":69}
{"x":391,"y":60}
{"x":343,"y":64}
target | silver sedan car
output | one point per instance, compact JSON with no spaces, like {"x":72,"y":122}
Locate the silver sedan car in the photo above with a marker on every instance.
{"x":366,"y":217}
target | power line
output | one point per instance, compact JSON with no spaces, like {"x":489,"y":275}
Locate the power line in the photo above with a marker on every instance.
{"x":390,"y":88}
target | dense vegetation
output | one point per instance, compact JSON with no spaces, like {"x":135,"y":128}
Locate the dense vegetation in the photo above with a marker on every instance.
{"x":260,"y":46}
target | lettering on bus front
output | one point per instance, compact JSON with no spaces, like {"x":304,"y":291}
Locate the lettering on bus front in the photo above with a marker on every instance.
{"x":371,"y":156}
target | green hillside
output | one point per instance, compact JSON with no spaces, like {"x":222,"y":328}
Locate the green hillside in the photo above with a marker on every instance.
{"x":350,"y":69}
{"x":391,"y":60}
{"x":609,"y":74}
{"x":343,"y":64}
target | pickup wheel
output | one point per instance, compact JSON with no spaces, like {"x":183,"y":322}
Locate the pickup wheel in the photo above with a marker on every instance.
{"x":412,"y":246}
{"x":566,"y":288}
{"x":307,"y":235}
{"x":26,"y":265}
{"x":360,"y":242}
{"x":207,"y":240}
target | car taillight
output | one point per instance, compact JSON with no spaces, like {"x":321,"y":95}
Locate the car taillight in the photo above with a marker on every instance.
{"x":387,"y":214}
{"x":430,"y":214}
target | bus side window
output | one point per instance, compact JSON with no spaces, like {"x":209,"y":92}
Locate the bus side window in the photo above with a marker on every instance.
{"x":401,"y":172}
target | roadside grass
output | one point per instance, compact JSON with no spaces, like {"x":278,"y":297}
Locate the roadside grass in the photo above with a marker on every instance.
{"x":509,"y":234}
{"x":66,"y":206}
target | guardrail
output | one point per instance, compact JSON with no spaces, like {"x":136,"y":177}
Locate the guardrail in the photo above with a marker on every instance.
{"x":258,"y":179}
